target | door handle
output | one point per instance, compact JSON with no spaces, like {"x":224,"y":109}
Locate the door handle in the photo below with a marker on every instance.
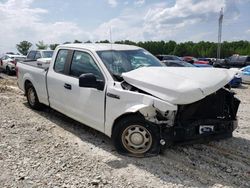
{"x":67,"y":86}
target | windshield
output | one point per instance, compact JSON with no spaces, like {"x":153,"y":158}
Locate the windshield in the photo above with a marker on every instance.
{"x":47,"y":54}
{"x":118,"y":62}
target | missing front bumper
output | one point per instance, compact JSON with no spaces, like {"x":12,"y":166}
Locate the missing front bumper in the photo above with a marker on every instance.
{"x":212,"y":117}
{"x":193,"y":132}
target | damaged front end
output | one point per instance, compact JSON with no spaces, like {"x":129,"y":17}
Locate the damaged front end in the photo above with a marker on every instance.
{"x":212,"y":117}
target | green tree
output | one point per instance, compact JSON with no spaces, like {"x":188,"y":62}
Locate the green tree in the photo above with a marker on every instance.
{"x":53,"y":46}
{"x":23,"y":47}
{"x":41,"y":46}
{"x":67,"y":42}
{"x":88,"y":41}
{"x":77,"y":41}
{"x":103,"y":41}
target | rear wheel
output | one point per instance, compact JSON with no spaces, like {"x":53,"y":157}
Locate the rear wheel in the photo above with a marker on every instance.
{"x":8,"y":71}
{"x":134,"y":136}
{"x":32,"y":97}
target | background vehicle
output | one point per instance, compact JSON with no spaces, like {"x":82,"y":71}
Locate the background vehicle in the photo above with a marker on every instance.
{"x":8,"y":62}
{"x":126,"y":93}
{"x":237,"y":61}
{"x":177,"y":63}
{"x":235,"y":82}
{"x":168,"y":57}
{"x":245,"y":74}
{"x":210,"y":60}
{"x":33,"y":55}
{"x":194,"y":60}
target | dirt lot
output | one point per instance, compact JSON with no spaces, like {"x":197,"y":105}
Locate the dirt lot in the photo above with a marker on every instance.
{"x":47,"y":149}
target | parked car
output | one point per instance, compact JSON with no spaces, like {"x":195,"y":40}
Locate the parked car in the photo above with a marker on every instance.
{"x":194,"y":60}
{"x":235,"y":82}
{"x":177,"y":63}
{"x":237,"y":61}
{"x":210,"y":60}
{"x":126,"y":93}
{"x":245,"y":74}
{"x":168,"y":58}
{"x":33,"y":55}
{"x":8,"y":62}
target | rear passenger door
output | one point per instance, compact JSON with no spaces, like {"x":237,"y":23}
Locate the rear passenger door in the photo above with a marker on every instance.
{"x":56,"y":78}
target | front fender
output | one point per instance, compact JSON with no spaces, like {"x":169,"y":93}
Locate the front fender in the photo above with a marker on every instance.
{"x":132,"y":102}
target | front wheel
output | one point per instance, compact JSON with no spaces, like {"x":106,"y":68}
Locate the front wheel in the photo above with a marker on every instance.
{"x":134,"y":136}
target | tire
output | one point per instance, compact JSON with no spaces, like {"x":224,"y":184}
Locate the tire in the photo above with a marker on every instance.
{"x":8,"y":71}
{"x":32,"y":98}
{"x":134,"y":136}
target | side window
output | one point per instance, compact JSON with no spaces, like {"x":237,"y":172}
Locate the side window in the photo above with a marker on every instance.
{"x":38,"y":55}
{"x":160,"y":58}
{"x":167,"y":58}
{"x":234,"y":58}
{"x":31,"y":55}
{"x":83,"y":63}
{"x":60,"y":61}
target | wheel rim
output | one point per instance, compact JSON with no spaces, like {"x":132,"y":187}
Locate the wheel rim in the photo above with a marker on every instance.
{"x":31,"y":96}
{"x":137,"y":139}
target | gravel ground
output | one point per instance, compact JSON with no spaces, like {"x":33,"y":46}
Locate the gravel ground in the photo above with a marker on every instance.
{"x":47,"y":149}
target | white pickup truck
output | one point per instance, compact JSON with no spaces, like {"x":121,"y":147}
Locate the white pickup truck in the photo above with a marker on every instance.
{"x":126,"y":93}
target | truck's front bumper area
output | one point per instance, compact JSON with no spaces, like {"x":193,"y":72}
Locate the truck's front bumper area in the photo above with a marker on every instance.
{"x":207,"y":129}
{"x":212,"y":117}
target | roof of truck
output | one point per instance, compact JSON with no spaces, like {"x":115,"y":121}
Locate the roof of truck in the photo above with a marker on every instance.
{"x":101,"y":46}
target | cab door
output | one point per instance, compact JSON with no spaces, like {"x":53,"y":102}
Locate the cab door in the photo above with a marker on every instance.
{"x":86,"y":105}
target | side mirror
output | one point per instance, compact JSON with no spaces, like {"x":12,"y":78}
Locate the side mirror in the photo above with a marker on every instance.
{"x":89,"y":80}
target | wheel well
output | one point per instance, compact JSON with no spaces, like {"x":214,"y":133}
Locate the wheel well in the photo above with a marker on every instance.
{"x":26,"y":84}
{"x":123,"y":116}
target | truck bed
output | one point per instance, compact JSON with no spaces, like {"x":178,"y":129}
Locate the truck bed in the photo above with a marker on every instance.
{"x":35,"y":72}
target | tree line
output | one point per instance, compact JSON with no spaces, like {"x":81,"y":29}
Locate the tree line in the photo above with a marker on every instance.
{"x":199,"y":49}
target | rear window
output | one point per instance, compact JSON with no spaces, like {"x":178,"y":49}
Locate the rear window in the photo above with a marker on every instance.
{"x":31,"y":55}
{"x":47,"y":54}
{"x":38,"y":55}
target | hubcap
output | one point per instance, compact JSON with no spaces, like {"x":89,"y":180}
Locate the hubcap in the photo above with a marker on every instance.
{"x":31,"y":96}
{"x":136,"y":139}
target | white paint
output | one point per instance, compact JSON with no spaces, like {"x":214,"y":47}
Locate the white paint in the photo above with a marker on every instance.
{"x":167,"y":86}
{"x":179,"y":85}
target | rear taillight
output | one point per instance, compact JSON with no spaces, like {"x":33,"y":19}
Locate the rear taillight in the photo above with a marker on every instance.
{"x":13,"y":62}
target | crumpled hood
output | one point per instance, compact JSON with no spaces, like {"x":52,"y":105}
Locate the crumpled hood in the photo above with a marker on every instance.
{"x":179,"y":85}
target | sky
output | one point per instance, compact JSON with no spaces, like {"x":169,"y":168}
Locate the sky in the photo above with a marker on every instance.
{"x":59,"y":21}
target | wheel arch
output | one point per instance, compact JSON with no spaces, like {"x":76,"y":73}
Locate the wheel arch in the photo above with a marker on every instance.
{"x":26,"y":83}
{"x":123,"y":116}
